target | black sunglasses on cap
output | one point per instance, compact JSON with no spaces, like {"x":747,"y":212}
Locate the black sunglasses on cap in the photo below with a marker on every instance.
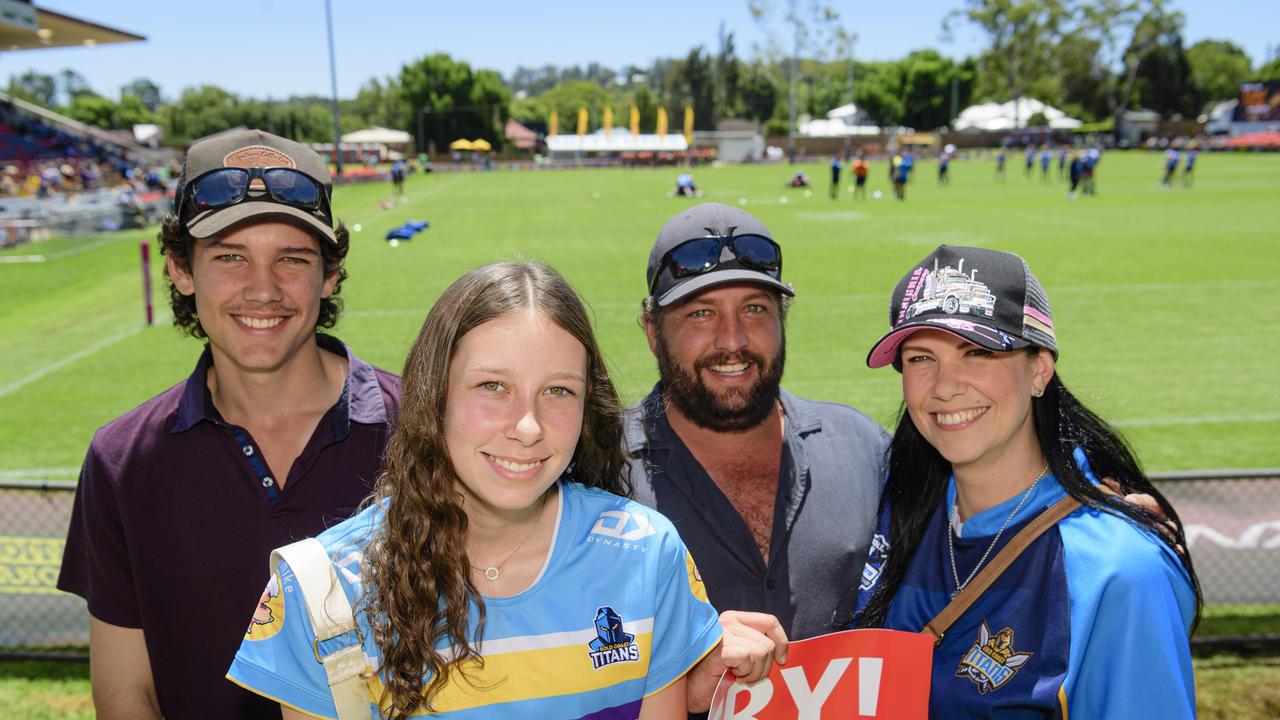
{"x":700,"y":255}
{"x":228,"y":186}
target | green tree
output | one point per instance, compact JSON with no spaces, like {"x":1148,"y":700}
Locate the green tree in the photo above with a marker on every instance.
{"x":131,"y":111}
{"x":35,"y":87}
{"x":454,"y":101}
{"x":145,"y":91}
{"x":1021,"y":35}
{"x":566,"y":97}
{"x":759,"y":92}
{"x":92,"y":110}
{"x":1217,"y":68}
{"x":1126,"y":31}
{"x":1164,"y":81}
{"x":1269,"y":72}
{"x":693,"y":83}
{"x":74,"y":85}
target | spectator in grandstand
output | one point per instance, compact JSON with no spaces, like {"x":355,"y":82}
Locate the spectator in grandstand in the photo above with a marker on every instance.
{"x":277,"y":434}
{"x":1093,"y":616}
{"x":860,"y":170}
{"x":498,"y":531}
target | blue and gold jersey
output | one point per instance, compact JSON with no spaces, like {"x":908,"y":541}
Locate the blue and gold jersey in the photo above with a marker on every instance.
{"x":618,"y":614}
{"x":1090,"y":621}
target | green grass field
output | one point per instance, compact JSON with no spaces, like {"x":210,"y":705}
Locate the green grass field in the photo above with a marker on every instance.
{"x":1165,"y":304}
{"x":1165,"y":301}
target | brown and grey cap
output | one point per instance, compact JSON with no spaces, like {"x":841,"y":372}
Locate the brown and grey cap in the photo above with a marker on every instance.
{"x":251,"y":149}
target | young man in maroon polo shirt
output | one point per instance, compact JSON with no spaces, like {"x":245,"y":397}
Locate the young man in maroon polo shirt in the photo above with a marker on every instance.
{"x":276,"y":435}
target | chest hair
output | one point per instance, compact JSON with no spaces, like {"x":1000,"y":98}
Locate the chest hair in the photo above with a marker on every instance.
{"x":751,"y":484}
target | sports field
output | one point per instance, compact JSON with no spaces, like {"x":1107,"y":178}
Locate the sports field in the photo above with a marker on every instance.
{"x":1166,"y":304}
{"x":1165,"y":300}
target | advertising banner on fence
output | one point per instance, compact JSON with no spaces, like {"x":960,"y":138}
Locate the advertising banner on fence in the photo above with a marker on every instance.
{"x":852,"y":674}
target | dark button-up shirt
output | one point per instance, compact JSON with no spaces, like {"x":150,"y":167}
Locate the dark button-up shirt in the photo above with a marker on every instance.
{"x":824,"y":515}
{"x":176,"y":514}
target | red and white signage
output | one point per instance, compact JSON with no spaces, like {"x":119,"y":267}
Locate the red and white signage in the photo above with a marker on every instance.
{"x":853,"y":674}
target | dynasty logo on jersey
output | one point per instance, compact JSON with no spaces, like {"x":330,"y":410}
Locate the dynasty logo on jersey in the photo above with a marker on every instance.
{"x":611,"y":644}
{"x":268,"y":618}
{"x":992,"y":661}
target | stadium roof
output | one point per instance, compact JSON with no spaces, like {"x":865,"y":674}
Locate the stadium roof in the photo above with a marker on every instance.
{"x":26,"y":27}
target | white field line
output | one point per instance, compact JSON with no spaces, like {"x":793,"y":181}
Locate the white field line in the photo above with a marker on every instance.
{"x":17,"y":259}
{"x":75,"y":357}
{"x":45,"y":473}
{"x":1199,"y":420}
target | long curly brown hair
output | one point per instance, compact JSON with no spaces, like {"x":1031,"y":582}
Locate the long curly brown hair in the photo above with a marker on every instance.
{"x":178,"y":244}
{"x":418,"y":583}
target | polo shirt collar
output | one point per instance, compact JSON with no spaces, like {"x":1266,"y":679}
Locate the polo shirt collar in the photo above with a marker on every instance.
{"x":361,"y":399}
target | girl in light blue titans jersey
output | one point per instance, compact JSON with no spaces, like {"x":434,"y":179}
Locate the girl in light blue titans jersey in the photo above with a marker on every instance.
{"x":497,"y":572}
{"x":1092,"y":619}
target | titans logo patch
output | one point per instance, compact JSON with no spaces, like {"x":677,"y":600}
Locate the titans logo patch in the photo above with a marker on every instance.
{"x":611,"y":645}
{"x":992,"y":661}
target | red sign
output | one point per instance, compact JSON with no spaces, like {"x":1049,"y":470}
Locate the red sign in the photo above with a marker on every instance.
{"x":853,"y":674}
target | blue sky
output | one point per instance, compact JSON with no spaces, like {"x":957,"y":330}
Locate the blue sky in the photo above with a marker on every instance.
{"x":277,"y":48}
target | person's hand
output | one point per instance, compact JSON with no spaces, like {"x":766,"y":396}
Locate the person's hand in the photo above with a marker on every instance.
{"x":1148,"y":503}
{"x":752,"y":642}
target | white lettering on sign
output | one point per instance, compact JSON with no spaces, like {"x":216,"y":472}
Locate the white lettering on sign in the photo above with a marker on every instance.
{"x":809,"y":700}
{"x":869,"y":685}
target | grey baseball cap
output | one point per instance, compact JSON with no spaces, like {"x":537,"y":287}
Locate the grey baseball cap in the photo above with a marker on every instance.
{"x":708,"y":220}
{"x":250,"y":149}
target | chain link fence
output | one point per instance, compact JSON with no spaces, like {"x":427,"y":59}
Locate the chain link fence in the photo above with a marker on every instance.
{"x":1232,"y":520}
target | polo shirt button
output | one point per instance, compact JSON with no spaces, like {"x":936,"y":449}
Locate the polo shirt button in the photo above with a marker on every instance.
{"x":248,"y":450}
{"x":267,"y":482}
{"x":769,"y":584}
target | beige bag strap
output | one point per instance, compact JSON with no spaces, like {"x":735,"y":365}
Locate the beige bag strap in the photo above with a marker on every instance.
{"x":937,"y":627}
{"x":331,"y":617}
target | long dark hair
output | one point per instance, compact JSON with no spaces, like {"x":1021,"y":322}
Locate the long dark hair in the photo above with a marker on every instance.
{"x":418,"y":588}
{"x":918,"y":478}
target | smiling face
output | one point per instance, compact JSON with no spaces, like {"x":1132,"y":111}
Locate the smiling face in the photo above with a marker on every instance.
{"x":514,"y":409}
{"x":972,"y":404}
{"x":257,"y":292}
{"x":721,"y":355}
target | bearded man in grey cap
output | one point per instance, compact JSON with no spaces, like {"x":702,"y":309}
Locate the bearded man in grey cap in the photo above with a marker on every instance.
{"x":277,"y":434}
{"x":775,"y":495}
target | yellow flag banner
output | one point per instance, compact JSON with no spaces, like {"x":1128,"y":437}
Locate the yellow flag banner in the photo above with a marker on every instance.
{"x":635,"y":121}
{"x":553,"y":126}
{"x":608,"y":121}
{"x":662,"y":122}
{"x":688,"y":124}
{"x":582,"y":121}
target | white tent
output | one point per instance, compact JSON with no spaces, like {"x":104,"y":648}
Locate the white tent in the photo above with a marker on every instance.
{"x":844,"y":121}
{"x":1008,"y":116}
{"x":381,"y":135}
{"x":619,"y":140}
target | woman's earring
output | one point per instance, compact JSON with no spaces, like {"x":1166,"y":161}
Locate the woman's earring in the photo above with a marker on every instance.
{"x":1039,"y":392}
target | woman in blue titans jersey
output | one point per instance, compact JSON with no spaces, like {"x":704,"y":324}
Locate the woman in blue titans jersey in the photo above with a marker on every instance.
{"x":1092,"y":619}
{"x":498,"y":571}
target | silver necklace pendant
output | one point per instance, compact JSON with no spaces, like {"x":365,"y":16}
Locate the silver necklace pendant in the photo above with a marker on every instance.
{"x":491,"y":574}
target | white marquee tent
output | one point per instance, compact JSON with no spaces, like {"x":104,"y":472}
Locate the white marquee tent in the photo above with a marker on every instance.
{"x":1008,"y":116}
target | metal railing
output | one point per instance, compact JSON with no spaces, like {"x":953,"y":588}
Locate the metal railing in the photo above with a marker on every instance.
{"x":1232,"y":519}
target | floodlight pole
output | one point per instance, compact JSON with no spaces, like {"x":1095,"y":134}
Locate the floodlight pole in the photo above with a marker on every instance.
{"x":333,"y":79}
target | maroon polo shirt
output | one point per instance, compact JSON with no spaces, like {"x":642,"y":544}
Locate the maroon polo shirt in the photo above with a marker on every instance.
{"x":176,"y":515}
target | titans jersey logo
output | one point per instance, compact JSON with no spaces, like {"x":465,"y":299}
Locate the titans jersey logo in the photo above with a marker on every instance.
{"x":992,"y":661}
{"x":611,"y":645}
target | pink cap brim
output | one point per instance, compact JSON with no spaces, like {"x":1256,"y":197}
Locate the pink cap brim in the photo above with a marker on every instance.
{"x":885,"y":351}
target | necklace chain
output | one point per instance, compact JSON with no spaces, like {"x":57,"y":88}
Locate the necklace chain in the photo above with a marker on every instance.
{"x":493,"y":572}
{"x":951,"y":543}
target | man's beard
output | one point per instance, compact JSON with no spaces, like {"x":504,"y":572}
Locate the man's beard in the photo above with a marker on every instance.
{"x":731,"y":410}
